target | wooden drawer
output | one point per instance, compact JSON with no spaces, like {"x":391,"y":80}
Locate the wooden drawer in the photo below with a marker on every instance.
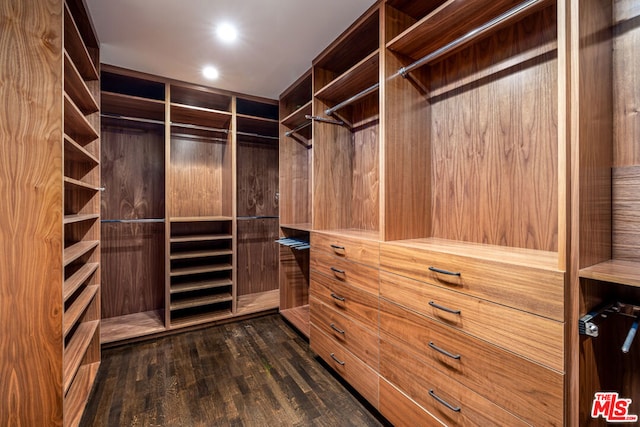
{"x":358,"y":275}
{"x":523,"y":387}
{"x":353,"y":336}
{"x":401,"y":410}
{"x":532,"y":336}
{"x":348,"y":300}
{"x":353,"y":370}
{"x":434,"y":390}
{"x":348,"y":248}
{"x":530,"y":288}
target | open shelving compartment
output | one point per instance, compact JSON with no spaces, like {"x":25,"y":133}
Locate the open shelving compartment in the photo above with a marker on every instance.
{"x":200,"y":261}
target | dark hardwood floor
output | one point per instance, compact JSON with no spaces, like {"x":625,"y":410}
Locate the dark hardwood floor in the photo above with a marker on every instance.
{"x":257,"y":372}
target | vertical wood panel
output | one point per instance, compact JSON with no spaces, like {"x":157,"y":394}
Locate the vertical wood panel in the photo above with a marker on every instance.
{"x":257,"y":180}
{"x":626,"y":213}
{"x":295,"y":181}
{"x":257,"y":265}
{"x":31,"y":231}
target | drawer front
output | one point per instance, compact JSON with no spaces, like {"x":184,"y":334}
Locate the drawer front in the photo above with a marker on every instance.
{"x":447,"y":400}
{"x":358,"y":275}
{"x":521,"y":386}
{"x":353,"y":370}
{"x":400,"y":410}
{"x":348,"y":300}
{"x":527,"y":288}
{"x":532,"y":336}
{"x":353,"y":336}
{"x":348,"y":248}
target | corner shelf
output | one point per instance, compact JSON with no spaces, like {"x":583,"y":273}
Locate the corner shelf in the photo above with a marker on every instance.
{"x":614,"y":271}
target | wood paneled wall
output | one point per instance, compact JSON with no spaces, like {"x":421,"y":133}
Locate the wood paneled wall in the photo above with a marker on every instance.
{"x":257,"y":179}
{"x":257,"y":267}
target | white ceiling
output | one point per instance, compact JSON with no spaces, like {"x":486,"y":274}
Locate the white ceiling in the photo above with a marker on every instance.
{"x":176,"y":38}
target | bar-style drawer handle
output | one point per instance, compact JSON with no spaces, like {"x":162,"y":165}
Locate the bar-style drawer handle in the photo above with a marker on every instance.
{"x":337,"y":270}
{"x":335,"y":328}
{"x":443,"y":308}
{"x":338,"y":247}
{"x":443,"y":351}
{"x":333,"y":356}
{"x":444,"y":402}
{"x":447,"y":272}
{"x":339,"y":298}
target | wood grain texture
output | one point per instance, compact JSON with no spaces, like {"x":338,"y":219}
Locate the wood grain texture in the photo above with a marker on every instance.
{"x":338,"y":245}
{"x":626,"y":213}
{"x":357,"y":78}
{"x":298,"y":317}
{"x":257,"y":182}
{"x":257,"y":256}
{"x":295,"y":165}
{"x":200,"y":177}
{"x":132,"y":268}
{"x":132,"y":163}
{"x":357,"y":275}
{"x":296,"y":95}
{"x":293,"y":276}
{"x":401,"y":410}
{"x":495,"y":155}
{"x":31,"y":217}
{"x":626,"y":83}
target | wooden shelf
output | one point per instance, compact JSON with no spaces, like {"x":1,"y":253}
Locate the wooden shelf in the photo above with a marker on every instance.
{"x":72,"y":284}
{"x":302,"y":226}
{"x":297,"y":117}
{"x":256,"y":125}
{"x":70,"y":219}
{"x":258,"y":302}
{"x":200,"y":238}
{"x":298,"y":317}
{"x":200,"y":254}
{"x":77,"y":250}
{"x":201,"y":301}
{"x":77,"y":89}
{"x":198,"y":285}
{"x":198,"y":319}
{"x":186,"y":271}
{"x":359,"y":77}
{"x":76,"y":349}
{"x":132,"y":106}
{"x":201,"y":219}
{"x":77,"y":153}
{"x":614,"y":271}
{"x":199,"y":116}
{"x":73,"y":314}
{"x":78,"y":52}
{"x":450,"y":21}
{"x":77,"y":396}
{"x":131,"y":326}
{"x":76,"y":124}
{"x":79,"y":184}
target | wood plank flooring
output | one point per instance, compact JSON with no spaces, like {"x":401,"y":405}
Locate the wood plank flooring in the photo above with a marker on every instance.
{"x":257,"y":372}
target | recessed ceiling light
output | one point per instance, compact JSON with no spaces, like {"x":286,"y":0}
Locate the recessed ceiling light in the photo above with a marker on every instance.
{"x":210,"y":72}
{"x":227,"y":32}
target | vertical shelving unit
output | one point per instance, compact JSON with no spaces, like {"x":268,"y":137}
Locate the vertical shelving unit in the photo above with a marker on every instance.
{"x":133,"y":205}
{"x":295,"y":200}
{"x":81,"y":221}
{"x":257,"y":204}
{"x":200,"y":206}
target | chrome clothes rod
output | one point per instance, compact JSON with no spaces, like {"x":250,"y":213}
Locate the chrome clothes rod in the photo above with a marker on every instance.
{"x":132,"y":119}
{"x":197,"y":127}
{"x":133,"y":221}
{"x":324,"y":120}
{"x":192,"y":136}
{"x":469,"y":36}
{"x":257,"y":135}
{"x":353,"y":99}
{"x":241,"y":218}
{"x":297,"y":128}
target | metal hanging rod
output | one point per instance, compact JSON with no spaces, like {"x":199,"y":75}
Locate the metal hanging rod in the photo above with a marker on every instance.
{"x":353,"y":99}
{"x":132,"y":119}
{"x":200,"y":137}
{"x":297,"y":128}
{"x":245,"y":218}
{"x":137,"y":220}
{"x":198,"y":127}
{"x":256,"y":135}
{"x":522,"y":7}
{"x":325,"y":120}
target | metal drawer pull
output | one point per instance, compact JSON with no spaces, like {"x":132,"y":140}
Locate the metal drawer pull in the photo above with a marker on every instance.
{"x":444,"y":402}
{"x":443,"y":308}
{"x":337,"y":270}
{"x":340,"y":248}
{"x":339,"y":298}
{"x":335,"y":328}
{"x":443,"y":351}
{"x":333,"y":356}
{"x":448,"y":273}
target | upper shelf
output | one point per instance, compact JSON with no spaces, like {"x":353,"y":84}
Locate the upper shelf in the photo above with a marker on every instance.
{"x":77,"y":89}
{"x":199,"y":116}
{"x":298,"y":116}
{"x":614,"y":271}
{"x":132,"y":106}
{"x":78,"y":52}
{"x":359,"y":77}
{"x":454,"y":19}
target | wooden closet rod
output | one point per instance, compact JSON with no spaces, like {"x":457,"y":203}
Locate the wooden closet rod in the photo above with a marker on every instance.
{"x":353,"y":99}
{"x":297,"y":128}
{"x":511,"y":13}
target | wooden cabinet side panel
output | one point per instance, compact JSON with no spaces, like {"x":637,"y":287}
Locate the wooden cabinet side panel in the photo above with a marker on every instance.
{"x":257,"y":256}
{"x":31,"y":213}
